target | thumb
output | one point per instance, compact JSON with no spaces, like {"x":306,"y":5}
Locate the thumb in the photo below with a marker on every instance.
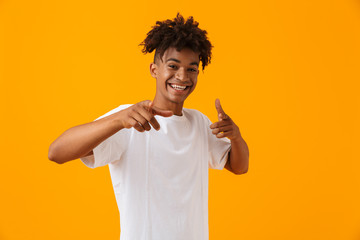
{"x":160,"y":112}
{"x":151,"y":104}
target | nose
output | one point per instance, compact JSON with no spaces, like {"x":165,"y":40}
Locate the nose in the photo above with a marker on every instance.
{"x":182,"y":75}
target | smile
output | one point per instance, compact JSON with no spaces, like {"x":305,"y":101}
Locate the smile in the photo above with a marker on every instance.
{"x":178,"y":87}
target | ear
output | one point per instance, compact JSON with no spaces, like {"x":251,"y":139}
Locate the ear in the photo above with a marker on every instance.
{"x":153,"y":70}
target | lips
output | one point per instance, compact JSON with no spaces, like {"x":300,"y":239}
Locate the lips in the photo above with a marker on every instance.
{"x":179,"y":87}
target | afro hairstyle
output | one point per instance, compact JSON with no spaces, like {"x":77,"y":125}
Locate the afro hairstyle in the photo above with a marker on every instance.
{"x":179,"y":34}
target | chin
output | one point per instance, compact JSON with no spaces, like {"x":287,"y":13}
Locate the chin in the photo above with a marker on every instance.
{"x":177,"y":100}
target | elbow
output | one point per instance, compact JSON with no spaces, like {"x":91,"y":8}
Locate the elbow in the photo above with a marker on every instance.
{"x":52,"y":158}
{"x":245,"y":168}
{"x":52,"y":155}
{"x":241,"y":172}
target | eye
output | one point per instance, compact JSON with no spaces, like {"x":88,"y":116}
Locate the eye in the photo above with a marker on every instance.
{"x":172,"y":66}
{"x":192,"y":69}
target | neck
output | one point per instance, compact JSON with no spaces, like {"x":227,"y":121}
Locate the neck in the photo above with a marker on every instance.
{"x":176,"y":108}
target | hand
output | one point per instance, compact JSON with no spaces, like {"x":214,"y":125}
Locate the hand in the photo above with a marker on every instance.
{"x":141,"y":115}
{"x":225,"y":127}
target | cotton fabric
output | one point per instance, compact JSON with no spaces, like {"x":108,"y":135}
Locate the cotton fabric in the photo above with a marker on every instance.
{"x":160,"y":178}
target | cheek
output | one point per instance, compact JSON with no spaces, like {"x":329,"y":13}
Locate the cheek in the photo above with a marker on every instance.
{"x":167,"y":75}
{"x":195,"y":82}
{"x":193,"y":87}
{"x":161,"y":81}
{"x":164,"y":76}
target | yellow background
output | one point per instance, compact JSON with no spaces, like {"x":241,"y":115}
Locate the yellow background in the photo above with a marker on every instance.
{"x":286,"y":71}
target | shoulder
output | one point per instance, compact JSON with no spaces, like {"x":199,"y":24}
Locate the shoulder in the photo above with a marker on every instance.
{"x":122,"y":107}
{"x":196,"y":114}
{"x":117,"y":109}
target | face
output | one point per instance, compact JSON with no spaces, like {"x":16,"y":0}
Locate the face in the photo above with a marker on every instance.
{"x":176,"y":75}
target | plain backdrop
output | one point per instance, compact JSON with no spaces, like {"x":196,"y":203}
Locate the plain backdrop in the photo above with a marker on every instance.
{"x":287,"y":72}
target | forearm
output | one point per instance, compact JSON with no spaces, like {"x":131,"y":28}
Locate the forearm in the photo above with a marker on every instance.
{"x":239,"y":156}
{"x":79,"y":140}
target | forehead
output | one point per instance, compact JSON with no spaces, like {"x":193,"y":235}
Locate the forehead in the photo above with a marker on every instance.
{"x":185,"y":55}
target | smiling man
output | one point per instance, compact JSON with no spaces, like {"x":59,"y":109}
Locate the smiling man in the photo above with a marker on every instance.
{"x":158,"y":152}
{"x":176,"y":78}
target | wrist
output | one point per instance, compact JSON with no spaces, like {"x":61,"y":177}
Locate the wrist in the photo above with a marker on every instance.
{"x":118,"y":120}
{"x":237,"y":139}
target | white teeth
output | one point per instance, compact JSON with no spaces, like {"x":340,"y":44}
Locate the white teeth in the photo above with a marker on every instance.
{"x":177,"y":87}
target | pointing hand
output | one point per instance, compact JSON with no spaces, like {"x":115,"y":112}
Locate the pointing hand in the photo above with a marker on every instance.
{"x":141,"y":115}
{"x":225,"y":127}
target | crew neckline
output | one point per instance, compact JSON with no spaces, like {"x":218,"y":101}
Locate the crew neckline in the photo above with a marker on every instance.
{"x":173,"y":117}
{"x":176,"y":117}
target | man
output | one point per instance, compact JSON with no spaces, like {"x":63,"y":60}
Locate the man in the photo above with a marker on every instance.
{"x":160,"y":177}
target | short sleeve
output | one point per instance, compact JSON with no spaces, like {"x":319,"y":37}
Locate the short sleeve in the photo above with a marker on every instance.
{"x":111,"y":149}
{"x":218,"y":148}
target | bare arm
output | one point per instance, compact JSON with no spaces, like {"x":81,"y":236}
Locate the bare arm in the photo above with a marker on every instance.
{"x":238,"y":158}
{"x":79,"y":141}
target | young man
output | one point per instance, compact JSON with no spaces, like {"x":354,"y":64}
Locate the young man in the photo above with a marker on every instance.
{"x":160,"y":175}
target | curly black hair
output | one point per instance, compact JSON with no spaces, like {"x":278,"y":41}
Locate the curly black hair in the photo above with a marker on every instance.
{"x":180,"y":34}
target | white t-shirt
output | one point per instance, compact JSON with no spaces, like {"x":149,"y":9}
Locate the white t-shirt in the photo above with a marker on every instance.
{"x":160,"y":178}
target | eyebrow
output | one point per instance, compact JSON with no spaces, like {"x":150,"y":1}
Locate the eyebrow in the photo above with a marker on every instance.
{"x":178,"y":61}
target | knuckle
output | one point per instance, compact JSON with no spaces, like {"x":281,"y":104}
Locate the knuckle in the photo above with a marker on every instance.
{"x":147,"y":117}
